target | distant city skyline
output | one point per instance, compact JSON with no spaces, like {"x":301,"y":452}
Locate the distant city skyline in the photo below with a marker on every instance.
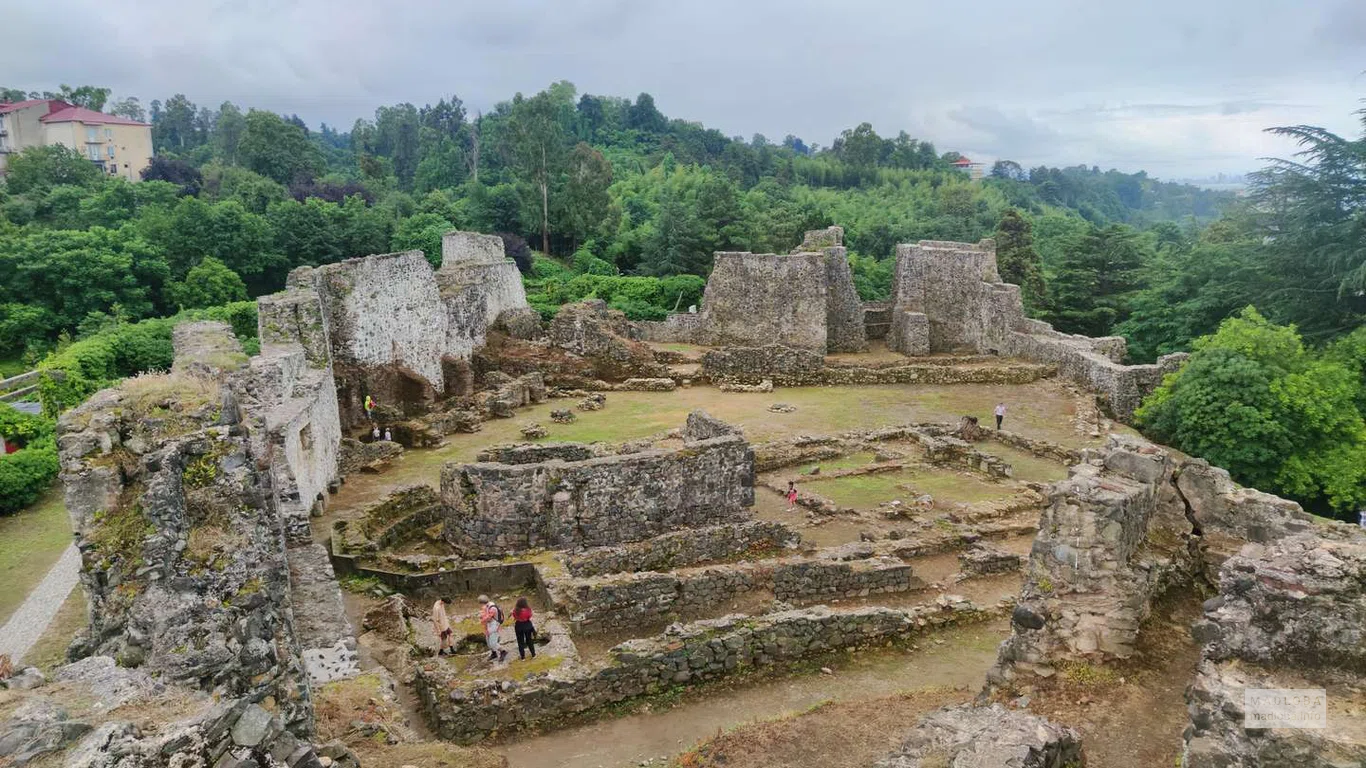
{"x":1177,"y":89}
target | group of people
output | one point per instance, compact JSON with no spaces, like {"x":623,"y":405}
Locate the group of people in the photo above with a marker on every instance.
{"x":369,"y":404}
{"x":491,"y":618}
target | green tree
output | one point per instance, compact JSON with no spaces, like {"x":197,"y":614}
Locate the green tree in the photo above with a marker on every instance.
{"x":674,"y":247}
{"x":584,"y":201}
{"x":208,"y":284}
{"x":173,"y":125}
{"x":534,"y":148}
{"x":1017,"y":260}
{"x":1253,"y":400}
{"x":1095,"y":280}
{"x":228,"y":131}
{"x":130,"y":108}
{"x":87,"y":96}
{"x":422,"y":232}
{"x":277,"y":149}
{"x":37,"y":169}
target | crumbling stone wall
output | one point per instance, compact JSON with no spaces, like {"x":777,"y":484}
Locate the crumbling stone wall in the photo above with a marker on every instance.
{"x":503,"y":508}
{"x":986,"y":737}
{"x":1113,"y":537}
{"x":182,"y":547}
{"x":602,"y":337}
{"x":625,"y":601}
{"x":685,"y":548}
{"x":477,"y":284}
{"x":787,"y":366}
{"x":965,"y":305}
{"x":1289,"y":614}
{"x":534,"y":453}
{"x":461,"y":710}
{"x":845,"y":330}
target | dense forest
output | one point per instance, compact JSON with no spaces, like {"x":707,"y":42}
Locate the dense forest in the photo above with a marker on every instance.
{"x":608,"y":197}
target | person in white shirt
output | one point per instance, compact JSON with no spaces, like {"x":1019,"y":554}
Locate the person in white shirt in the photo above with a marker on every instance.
{"x":1000,"y":414}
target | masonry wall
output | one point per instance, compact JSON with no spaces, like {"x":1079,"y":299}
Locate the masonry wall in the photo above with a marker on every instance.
{"x":477,"y":284}
{"x":957,"y":288}
{"x":754,"y":299}
{"x":501,"y":508}
{"x":689,"y":547}
{"x":707,"y":650}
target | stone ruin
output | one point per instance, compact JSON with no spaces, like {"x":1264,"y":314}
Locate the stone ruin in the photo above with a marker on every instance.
{"x":804,"y":300}
{"x":949,"y":297}
{"x":392,"y":327}
{"x":190,"y":494}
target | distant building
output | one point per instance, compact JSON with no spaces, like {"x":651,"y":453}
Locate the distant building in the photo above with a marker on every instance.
{"x":973,"y":170}
{"x":117,"y":145}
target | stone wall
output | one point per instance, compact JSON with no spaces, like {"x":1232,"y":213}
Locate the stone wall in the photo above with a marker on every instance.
{"x":986,"y":737}
{"x":533,"y":453}
{"x":463,"y":710}
{"x":477,"y":284}
{"x":678,"y":328}
{"x":625,"y":601}
{"x":844,"y":326}
{"x":688,"y":547}
{"x":957,"y":288}
{"x":752,"y":299}
{"x":503,"y":508}
{"x":787,"y":366}
{"x":603,"y":337}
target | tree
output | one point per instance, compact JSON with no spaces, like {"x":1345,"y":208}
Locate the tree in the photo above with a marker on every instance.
{"x":87,"y":96}
{"x":277,"y":149}
{"x":644,"y":116}
{"x":175,"y":171}
{"x":38,"y":169}
{"x":10,"y":95}
{"x":584,"y":200}
{"x":860,"y":147}
{"x":1017,"y":260}
{"x":1095,"y":280}
{"x":1253,"y":400}
{"x":675,"y":245}
{"x":130,"y":108}
{"x":227,"y":132}
{"x":208,"y":284}
{"x":534,"y":148}
{"x":1008,"y":169}
{"x":1316,"y":233}
{"x":422,"y":232}
{"x":173,"y":126}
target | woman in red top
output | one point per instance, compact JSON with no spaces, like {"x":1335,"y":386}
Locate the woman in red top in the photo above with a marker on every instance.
{"x":526,"y":631}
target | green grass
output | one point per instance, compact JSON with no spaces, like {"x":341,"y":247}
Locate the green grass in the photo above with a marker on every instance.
{"x":12,"y":366}
{"x":50,"y":650}
{"x":1027,"y":466}
{"x":851,"y":461}
{"x":30,"y":542}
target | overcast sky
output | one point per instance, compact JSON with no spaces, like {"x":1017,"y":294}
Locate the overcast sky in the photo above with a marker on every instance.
{"x":1182,"y":88}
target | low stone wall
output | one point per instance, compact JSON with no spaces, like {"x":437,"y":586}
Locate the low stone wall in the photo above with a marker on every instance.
{"x":532,"y":453}
{"x":612,"y":603}
{"x":1122,"y":387}
{"x":461,"y":710}
{"x":986,"y":737}
{"x":503,"y":508}
{"x":791,"y":367}
{"x":1041,"y":448}
{"x":685,"y":548}
{"x":678,"y":328}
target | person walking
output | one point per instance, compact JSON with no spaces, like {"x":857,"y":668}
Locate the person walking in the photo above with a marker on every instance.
{"x":1000,"y":414}
{"x":441,"y":624}
{"x":791,"y":495}
{"x":524,"y":629}
{"x":491,"y":616}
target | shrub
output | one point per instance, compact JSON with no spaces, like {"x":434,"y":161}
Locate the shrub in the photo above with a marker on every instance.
{"x":24,"y":475}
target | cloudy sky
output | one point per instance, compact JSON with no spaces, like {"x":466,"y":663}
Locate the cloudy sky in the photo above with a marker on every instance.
{"x":1182,"y":88}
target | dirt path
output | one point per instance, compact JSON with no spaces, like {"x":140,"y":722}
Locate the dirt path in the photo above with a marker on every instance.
{"x":953,"y":659}
{"x":27,"y":623}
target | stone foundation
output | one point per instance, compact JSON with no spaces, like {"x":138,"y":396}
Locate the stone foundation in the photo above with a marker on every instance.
{"x":465,"y":711}
{"x":685,"y":548}
{"x":986,"y":737}
{"x":503,"y":508}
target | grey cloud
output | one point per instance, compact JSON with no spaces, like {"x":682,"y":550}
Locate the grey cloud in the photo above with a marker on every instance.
{"x":1180,"y":87}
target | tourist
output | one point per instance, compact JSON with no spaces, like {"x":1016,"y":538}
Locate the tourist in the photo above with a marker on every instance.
{"x":791,"y":495}
{"x":389,"y":436}
{"x":369,"y":407}
{"x":1000,"y":414}
{"x":491,"y":616}
{"x":524,"y":629}
{"x":375,"y":433}
{"x":441,"y":624}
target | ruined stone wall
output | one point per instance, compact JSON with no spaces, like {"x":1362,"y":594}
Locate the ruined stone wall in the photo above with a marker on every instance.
{"x":533,"y":453}
{"x":678,"y":328}
{"x":502,"y":508}
{"x":477,"y":284}
{"x":957,"y":288}
{"x":603,"y":337}
{"x":753,"y":299}
{"x":844,"y":323}
{"x":463,"y":711}
{"x":1113,"y":537}
{"x":624,"y":601}
{"x":786,"y":366}
{"x":685,"y":548}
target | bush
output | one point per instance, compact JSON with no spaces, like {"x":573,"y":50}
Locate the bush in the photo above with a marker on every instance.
{"x":24,"y":475}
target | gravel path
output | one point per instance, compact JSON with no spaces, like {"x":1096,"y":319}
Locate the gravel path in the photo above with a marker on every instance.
{"x":28,"y":623}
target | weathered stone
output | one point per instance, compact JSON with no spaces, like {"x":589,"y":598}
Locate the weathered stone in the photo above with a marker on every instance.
{"x":602,"y":336}
{"x":986,"y":737}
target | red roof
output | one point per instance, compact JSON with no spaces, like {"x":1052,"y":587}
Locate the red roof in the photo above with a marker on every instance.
{"x":89,"y":116}
{"x":12,"y":106}
{"x":962,"y":161}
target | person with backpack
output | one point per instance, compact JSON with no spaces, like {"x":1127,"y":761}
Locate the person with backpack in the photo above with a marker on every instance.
{"x":525,"y":630}
{"x":491,"y":616}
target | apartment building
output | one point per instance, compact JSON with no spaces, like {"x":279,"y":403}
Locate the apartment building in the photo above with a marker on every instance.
{"x":117,"y":145}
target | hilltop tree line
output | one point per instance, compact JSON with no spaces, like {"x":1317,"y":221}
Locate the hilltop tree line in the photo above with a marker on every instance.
{"x":607,"y":197}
